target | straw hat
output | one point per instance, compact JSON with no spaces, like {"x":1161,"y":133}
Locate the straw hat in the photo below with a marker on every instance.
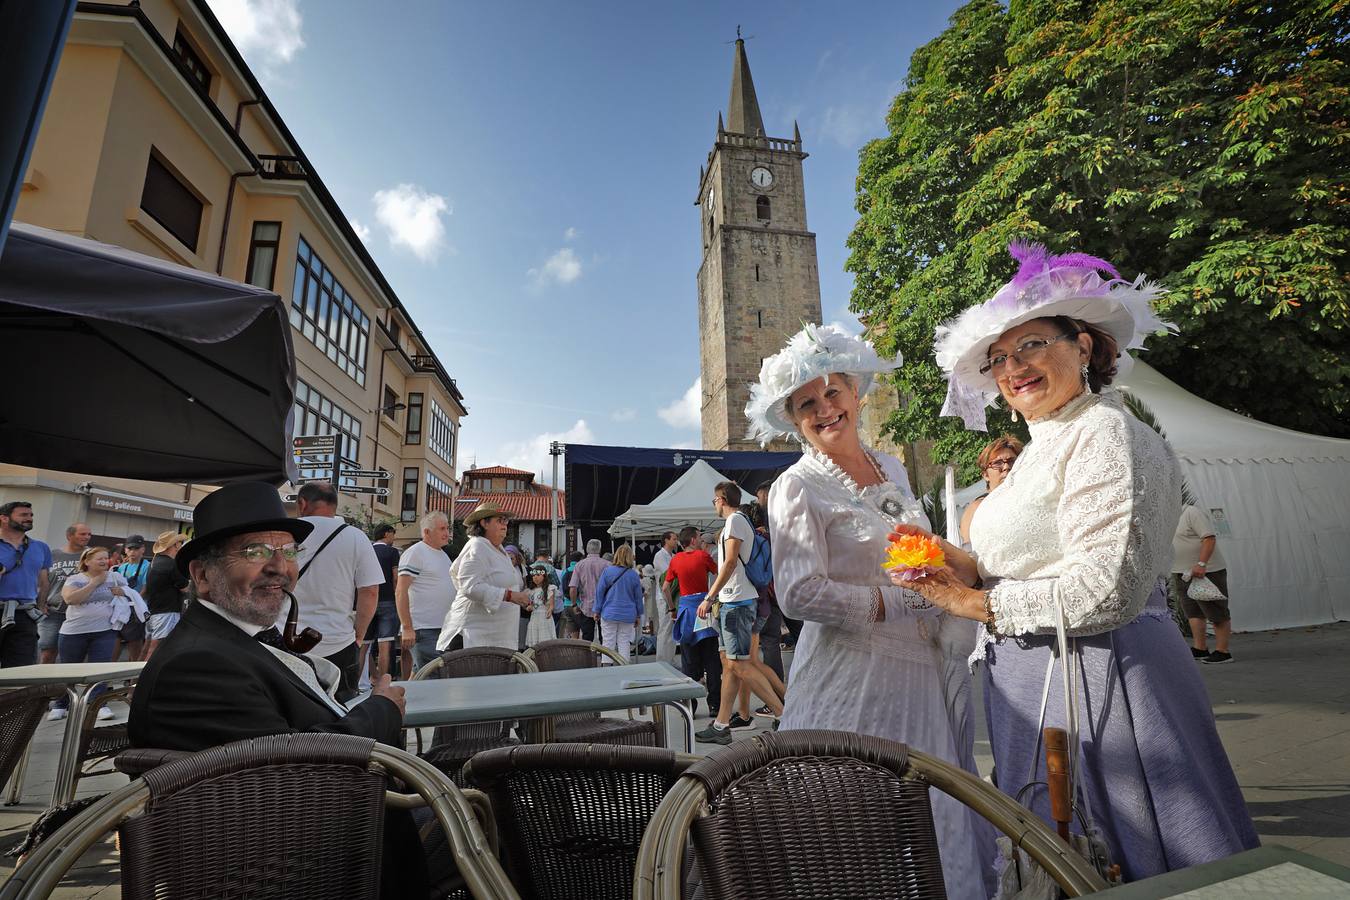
{"x":486,"y":510}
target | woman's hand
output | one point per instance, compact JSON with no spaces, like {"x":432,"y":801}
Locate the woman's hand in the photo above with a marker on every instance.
{"x":944,"y":589}
{"x":117,"y":591}
{"x":961,"y":563}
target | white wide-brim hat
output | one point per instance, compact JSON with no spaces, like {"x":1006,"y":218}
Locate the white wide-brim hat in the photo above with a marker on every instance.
{"x":1045,"y":286}
{"x":817,"y":351}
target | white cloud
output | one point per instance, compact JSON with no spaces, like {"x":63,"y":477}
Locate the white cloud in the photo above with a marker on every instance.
{"x":571,"y":234}
{"x":531,"y":454}
{"x":850,"y":126}
{"x":362,"y":231}
{"x":413,"y":218}
{"x":685,"y":412}
{"x":627,"y":414}
{"x":562,"y":267}
{"x":265,"y":31}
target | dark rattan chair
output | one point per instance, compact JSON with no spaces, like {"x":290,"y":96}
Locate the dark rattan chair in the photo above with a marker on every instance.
{"x":452,"y":745}
{"x":591,"y":727}
{"x":826,"y":814}
{"x":289,"y":816}
{"x":21,"y":710}
{"x":570,"y":817}
{"x":101,"y":743}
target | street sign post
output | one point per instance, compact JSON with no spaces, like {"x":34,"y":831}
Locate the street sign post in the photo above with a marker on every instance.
{"x":364,"y":489}
{"x":380,"y":474}
{"x":315,"y":443}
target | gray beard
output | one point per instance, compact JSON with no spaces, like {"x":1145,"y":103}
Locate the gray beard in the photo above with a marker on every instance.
{"x":241,"y":607}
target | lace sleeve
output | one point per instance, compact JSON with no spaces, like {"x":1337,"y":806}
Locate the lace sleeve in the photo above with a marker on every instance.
{"x":1103,"y":512}
{"x":801,"y":568}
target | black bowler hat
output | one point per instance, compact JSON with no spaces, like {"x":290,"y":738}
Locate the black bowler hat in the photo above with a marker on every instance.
{"x":238,"y":509}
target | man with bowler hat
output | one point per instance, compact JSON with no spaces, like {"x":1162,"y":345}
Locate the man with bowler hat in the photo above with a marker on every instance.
{"x":225,"y":673}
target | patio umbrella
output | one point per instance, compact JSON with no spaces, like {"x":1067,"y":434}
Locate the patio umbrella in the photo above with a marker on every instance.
{"x":121,"y":364}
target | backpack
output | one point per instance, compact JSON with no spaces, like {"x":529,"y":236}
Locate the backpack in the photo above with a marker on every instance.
{"x":759,"y":567}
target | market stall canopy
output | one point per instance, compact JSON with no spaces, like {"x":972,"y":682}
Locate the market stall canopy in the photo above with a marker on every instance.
{"x":602,"y":482}
{"x":686,"y":502}
{"x":127,"y":365}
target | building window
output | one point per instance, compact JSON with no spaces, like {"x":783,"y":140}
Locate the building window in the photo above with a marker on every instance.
{"x":395,"y":332}
{"x":316,"y":414}
{"x":439,"y":494}
{"x":762,"y":209}
{"x":191,"y":63}
{"x":171,"y":203}
{"x":326,"y":314}
{"x":390,"y":403}
{"x":413,"y":433}
{"x":262,"y":254}
{"x":408,"y":510}
{"x":441,"y":434}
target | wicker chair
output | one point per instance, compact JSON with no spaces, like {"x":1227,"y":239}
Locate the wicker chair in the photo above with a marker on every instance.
{"x":21,"y":711}
{"x":452,"y":745}
{"x":571,"y":816}
{"x":101,"y":743}
{"x":826,"y":814}
{"x":590,"y":727}
{"x":288,"y":816}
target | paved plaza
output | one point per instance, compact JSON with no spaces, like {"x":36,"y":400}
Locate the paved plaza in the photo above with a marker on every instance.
{"x":1283,"y":709}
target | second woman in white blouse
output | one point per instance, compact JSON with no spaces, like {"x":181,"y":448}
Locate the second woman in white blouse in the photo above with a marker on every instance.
{"x":488,"y":599}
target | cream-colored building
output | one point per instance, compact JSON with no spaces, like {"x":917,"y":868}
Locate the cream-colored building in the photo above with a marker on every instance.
{"x":157,"y":137}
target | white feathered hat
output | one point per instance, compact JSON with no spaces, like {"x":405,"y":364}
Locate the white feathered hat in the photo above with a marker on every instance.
{"x":814,"y":352}
{"x":1069,"y":285}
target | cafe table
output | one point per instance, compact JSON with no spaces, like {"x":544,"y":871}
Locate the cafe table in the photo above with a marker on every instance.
{"x":1269,"y":871}
{"x":434,"y":702}
{"x":78,"y":679}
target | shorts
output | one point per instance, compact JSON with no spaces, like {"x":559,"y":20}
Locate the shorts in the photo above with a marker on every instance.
{"x":384,"y":624}
{"x":760,"y":622}
{"x":133,"y":631}
{"x":733,"y":629}
{"x":49,"y":628}
{"x":161,"y":625}
{"x":1216,"y":611}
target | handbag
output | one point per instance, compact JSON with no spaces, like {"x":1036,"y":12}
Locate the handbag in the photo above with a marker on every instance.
{"x":1202,"y":590}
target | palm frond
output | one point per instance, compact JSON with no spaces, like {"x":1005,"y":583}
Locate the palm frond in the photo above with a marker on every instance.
{"x":1139,"y":409}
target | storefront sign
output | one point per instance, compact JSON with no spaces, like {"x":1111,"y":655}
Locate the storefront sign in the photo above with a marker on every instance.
{"x":138,"y":507}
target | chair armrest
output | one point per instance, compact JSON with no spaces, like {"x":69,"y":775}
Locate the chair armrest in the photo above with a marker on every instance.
{"x":138,"y":761}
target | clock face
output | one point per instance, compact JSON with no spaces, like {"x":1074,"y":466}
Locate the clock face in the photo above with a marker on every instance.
{"x":709,"y":202}
{"x":761,"y":177}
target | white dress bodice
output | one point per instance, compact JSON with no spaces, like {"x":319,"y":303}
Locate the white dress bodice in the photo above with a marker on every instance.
{"x":1086,"y":516}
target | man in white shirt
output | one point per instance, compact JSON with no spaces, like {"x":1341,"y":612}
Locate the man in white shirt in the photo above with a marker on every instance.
{"x":339,"y":583}
{"x":424,"y":592}
{"x":1195,"y":554}
{"x":739,"y":598}
{"x":665,"y":619}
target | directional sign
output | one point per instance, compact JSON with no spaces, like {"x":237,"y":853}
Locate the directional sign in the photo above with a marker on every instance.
{"x":363,"y":489}
{"x":315,"y":442}
{"x":290,"y":498}
{"x":365,"y":473}
{"x":322,"y":459}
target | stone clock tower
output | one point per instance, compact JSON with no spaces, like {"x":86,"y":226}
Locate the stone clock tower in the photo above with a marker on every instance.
{"x":758,"y":282}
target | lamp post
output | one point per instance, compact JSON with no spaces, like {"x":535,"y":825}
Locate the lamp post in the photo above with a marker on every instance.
{"x":555,"y":450}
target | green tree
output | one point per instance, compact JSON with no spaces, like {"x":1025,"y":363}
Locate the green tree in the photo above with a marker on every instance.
{"x":1204,"y":143}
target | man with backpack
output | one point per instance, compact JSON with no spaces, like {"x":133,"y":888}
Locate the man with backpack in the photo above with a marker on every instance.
{"x":737,"y":598}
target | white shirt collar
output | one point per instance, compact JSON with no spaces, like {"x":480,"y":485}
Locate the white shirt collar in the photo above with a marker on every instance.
{"x":247,"y":627}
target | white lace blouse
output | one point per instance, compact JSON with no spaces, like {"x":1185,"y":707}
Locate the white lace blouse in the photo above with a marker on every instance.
{"x":1086,"y":516}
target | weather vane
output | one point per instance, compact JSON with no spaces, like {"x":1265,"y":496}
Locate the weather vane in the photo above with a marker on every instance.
{"x":739,"y":38}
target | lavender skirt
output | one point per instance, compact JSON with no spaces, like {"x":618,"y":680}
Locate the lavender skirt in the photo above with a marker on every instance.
{"x":1158,"y":780}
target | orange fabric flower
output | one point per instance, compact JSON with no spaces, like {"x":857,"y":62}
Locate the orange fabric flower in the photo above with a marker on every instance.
{"x":912,"y":552}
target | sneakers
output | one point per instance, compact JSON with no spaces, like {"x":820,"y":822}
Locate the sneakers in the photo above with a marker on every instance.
{"x":1217,"y":657}
{"x":105,"y":713}
{"x":714,"y":735}
{"x":764,"y":712}
{"x":56,"y":714}
{"x":739,"y":721}
{"x":1199,"y":654}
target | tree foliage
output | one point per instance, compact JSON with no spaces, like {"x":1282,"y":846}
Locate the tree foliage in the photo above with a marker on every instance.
{"x":1204,"y":143}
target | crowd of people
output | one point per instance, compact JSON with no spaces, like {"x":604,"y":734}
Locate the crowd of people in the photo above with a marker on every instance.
{"x":1056,"y":594}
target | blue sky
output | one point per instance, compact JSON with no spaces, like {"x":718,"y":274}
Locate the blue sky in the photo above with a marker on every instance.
{"x":524,"y":174}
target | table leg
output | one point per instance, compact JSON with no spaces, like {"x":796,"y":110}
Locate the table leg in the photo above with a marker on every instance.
{"x":687,"y":714}
{"x":16,"y":779}
{"x":69,"y":762}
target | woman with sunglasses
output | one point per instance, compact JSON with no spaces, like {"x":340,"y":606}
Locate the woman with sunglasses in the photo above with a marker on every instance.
{"x":996,"y":461}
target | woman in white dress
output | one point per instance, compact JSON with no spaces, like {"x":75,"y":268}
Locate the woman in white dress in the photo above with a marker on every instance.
{"x":869,"y":659}
{"x":543,"y":597}
{"x":488,"y":599}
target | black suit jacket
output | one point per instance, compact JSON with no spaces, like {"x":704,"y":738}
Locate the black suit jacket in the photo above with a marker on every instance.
{"x":209,"y":683}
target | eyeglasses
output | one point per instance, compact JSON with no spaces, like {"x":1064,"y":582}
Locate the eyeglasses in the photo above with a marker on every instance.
{"x":1001,"y":465}
{"x":1025,"y":352}
{"x":257,"y":553}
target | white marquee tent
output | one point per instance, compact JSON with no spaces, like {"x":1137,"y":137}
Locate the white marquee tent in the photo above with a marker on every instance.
{"x":686,"y":502}
{"x":1280,"y":498}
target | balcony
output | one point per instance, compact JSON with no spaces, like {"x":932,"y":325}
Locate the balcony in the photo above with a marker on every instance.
{"x":279,"y":167}
{"x":424,"y":362}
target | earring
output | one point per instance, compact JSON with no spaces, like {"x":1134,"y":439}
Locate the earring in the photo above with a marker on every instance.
{"x":1014,"y":414}
{"x":1084,"y":371}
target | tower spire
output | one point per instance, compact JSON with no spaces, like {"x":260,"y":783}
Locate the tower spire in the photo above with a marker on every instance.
{"x":743,"y":109}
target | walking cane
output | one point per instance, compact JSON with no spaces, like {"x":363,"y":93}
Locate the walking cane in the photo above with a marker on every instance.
{"x":1057,"y":778}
